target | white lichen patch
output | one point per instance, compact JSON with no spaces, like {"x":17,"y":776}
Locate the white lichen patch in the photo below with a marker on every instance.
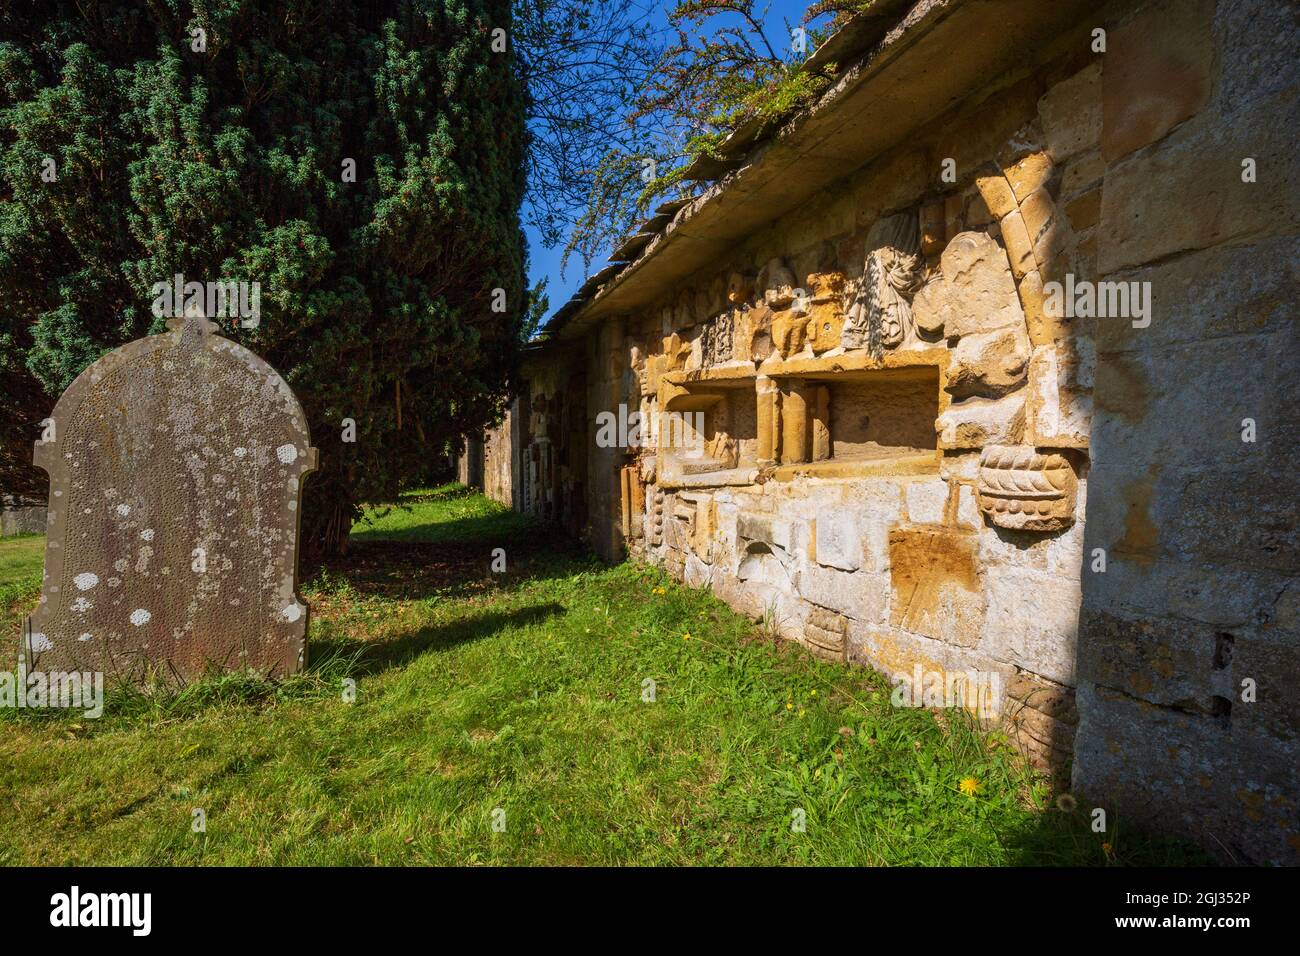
{"x":84,"y":637}
{"x":287,"y":454}
{"x":241,"y":452}
{"x":140,"y":616}
{"x":119,"y":564}
{"x":147,"y":534}
{"x":124,"y":509}
{"x":81,"y":605}
{"x":41,"y":643}
{"x":85,"y":580}
{"x":292,"y":613}
{"x":114,"y":582}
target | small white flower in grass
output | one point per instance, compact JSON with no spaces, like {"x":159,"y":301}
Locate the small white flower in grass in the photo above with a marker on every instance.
{"x":292,"y":613}
{"x":85,"y":580}
{"x":41,"y":643}
{"x":140,"y":616}
{"x":287,"y":454}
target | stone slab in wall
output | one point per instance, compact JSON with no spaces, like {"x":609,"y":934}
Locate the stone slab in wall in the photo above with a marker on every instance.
{"x":176,"y":466}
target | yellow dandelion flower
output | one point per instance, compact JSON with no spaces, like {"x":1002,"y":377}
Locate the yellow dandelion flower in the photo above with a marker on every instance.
{"x":812,"y":693}
{"x":789,"y":705}
{"x":686,"y":636}
{"x":1105,"y":848}
{"x":969,"y":786}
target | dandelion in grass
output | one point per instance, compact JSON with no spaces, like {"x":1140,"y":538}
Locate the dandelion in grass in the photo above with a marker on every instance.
{"x":1106,"y":848}
{"x":686,"y":636}
{"x":789,"y":705}
{"x":969,"y":786}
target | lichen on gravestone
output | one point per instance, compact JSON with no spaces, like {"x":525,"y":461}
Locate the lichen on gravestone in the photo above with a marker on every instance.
{"x":176,"y":466}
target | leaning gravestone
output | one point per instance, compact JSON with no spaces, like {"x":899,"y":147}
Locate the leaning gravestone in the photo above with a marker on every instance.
{"x":176,"y":465}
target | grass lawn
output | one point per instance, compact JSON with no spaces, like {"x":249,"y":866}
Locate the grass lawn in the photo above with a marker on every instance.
{"x":518,"y":698}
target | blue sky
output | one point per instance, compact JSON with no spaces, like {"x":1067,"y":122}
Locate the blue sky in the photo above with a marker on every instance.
{"x":544,"y":262}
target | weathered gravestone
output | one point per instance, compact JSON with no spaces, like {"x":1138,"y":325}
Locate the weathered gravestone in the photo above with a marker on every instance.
{"x":176,"y":465}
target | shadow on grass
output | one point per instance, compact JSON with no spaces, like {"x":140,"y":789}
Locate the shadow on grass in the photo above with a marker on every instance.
{"x":450,"y":559}
{"x":372,"y":657}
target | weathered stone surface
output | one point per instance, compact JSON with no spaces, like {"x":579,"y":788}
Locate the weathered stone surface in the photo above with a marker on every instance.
{"x":977,"y":422}
{"x":996,"y":193}
{"x":1060,"y":414}
{"x":934,"y":577}
{"x":989,"y":364}
{"x":777,"y":283}
{"x":825,"y":320}
{"x":1025,"y":489}
{"x":175,"y":476}
{"x":765,"y":528}
{"x":1019,"y":246}
{"x":839,"y":541}
{"x":1082,"y":173}
{"x":974,"y":291}
{"x":1158,"y":71}
{"x":927,"y":500}
{"x":1214,"y":293}
{"x":1201,"y":778}
{"x":861,"y":595}
{"x":1033,"y":620}
{"x":1029,"y":173}
{"x":22,"y":519}
{"x":1202,"y":200}
{"x":881,"y":313}
{"x":1071,"y":113}
{"x":824,"y":634}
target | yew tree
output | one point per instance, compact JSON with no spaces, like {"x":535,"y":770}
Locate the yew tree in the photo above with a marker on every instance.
{"x":362,"y":162}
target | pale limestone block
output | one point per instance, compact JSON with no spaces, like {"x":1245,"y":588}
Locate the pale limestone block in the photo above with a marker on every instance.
{"x":968,"y":511}
{"x":926,"y":500}
{"x":839,"y":541}
{"x":1032,"y":620}
{"x":976,"y":422}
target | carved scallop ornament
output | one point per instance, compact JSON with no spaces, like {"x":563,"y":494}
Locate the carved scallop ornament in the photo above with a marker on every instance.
{"x":1025,"y":489}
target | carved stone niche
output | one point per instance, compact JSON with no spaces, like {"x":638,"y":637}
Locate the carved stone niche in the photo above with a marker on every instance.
{"x":1024,"y":489}
{"x":881,"y":314}
{"x":176,"y":468}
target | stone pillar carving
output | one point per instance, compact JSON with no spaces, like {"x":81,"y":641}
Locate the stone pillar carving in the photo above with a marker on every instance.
{"x":794,"y":423}
{"x":821,"y":423}
{"x":769,"y":421}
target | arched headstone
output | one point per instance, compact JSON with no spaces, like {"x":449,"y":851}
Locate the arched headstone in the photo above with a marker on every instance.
{"x":176,"y":465}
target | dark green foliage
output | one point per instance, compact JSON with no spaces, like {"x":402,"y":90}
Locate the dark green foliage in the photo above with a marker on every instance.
{"x":376,"y":295}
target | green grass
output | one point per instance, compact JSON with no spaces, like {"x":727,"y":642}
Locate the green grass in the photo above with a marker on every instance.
{"x":523,"y":692}
{"x":21,"y":559}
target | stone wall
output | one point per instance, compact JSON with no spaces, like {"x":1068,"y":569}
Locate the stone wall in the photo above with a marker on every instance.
{"x":20,"y":516}
{"x":1198,"y":601}
{"x":874,"y":424}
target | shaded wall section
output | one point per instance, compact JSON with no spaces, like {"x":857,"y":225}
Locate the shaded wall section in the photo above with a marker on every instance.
{"x":1189,"y":645}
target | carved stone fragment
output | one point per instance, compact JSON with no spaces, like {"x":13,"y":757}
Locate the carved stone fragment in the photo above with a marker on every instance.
{"x":1024,"y":489}
{"x":881,"y":314}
